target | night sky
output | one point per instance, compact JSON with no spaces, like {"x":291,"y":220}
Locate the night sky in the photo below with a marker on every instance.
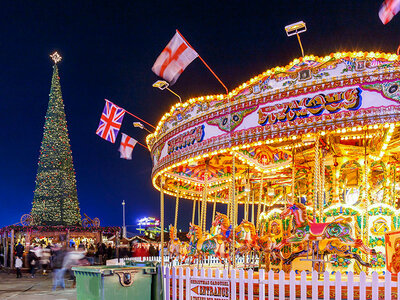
{"x":108,"y":49}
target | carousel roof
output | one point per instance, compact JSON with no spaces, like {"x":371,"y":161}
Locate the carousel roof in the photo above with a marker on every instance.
{"x":348,"y":102}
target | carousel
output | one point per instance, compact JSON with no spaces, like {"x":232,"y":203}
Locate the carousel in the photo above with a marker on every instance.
{"x":308,"y":154}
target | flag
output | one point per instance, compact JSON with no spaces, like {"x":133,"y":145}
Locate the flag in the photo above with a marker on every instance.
{"x":110,"y":121}
{"x":174,"y":59}
{"x":388,"y":10}
{"x":126,"y":147}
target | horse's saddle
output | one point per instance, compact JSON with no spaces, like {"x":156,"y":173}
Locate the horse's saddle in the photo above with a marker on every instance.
{"x":317,"y":228}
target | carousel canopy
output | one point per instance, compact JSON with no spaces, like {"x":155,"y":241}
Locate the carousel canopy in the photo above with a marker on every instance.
{"x":347,"y":103}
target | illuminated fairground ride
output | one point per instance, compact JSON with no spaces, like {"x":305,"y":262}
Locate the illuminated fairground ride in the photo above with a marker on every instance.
{"x":316,"y":141}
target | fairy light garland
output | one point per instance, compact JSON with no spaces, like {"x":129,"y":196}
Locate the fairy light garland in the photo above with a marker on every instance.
{"x":264,"y":75}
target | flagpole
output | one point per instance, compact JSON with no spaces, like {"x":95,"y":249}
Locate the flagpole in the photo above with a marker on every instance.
{"x":142,"y":145}
{"x":139,"y":119}
{"x":132,"y":114}
{"x":215,"y":75}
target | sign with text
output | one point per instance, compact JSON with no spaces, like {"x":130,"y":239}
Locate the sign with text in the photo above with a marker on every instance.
{"x":315,"y":106}
{"x":209,"y":289}
{"x":185,"y":139}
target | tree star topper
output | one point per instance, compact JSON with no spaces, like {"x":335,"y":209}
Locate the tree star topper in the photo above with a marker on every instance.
{"x":56,"y":57}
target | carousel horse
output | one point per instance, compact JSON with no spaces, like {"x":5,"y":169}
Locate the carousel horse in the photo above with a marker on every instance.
{"x":246,"y":237}
{"x":201,"y":246}
{"x":334,"y":237}
{"x":174,"y":245}
{"x":183,"y":251}
{"x":222,"y":222}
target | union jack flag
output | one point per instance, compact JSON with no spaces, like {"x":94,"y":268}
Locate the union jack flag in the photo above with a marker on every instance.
{"x":110,"y":121}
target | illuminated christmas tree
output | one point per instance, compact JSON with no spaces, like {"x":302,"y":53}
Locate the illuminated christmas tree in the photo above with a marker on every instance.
{"x":55,"y":200}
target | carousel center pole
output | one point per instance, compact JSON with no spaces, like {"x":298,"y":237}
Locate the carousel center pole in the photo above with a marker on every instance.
{"x":162,"y":218}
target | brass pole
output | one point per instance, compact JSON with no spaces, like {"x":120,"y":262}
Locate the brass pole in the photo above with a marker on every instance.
{"x":316,"y":173}
{"x":301,"y":46}
{"x":194,"y":211}
{"x":232,"y":212}
{"x":322,"y":189}
{"x":293,"y":175}
{"x":162,"y":218}
{"x":214,"y":205}
{"x":252,"y":206}
{"x":176,"y":213}
{"x":259,"y":200}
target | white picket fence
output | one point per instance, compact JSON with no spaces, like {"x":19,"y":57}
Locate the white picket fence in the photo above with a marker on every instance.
{"x":211,"y":260}
{"x":260,"y":285}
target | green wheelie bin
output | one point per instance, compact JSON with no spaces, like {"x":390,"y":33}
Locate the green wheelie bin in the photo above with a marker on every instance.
{"x":142,"y":280}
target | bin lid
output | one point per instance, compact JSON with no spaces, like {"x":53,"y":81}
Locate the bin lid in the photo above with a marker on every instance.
{"x":109,"y":270}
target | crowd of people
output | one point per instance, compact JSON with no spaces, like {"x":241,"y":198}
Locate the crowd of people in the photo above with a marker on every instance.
{"x":59,"y":259}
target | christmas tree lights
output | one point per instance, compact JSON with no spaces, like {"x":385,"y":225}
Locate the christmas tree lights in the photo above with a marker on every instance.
{"x":55,"y":200}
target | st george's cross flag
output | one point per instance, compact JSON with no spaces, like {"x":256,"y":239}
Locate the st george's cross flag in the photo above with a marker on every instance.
{"x":110,"y":121}
{"x":388,"y":10}
{"x":174,"y":59}
{"x":126,"y":147}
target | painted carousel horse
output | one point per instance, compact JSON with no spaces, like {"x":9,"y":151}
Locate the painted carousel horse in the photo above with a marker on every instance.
{"x":246,"y":238}
{"x":201,"y":247}
{"x":221,"y":222}
{"x":334,"y":237}
{"x":174,"y":245}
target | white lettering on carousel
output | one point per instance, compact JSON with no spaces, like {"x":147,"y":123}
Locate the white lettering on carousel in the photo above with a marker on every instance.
{"x":187,"y":138}
{"x":333,"y":103}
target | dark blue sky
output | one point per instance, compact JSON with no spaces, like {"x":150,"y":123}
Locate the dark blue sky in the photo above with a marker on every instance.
{"x":108,"y":49}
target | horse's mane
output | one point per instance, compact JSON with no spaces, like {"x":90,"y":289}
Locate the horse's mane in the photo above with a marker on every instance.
{"x":171,"y":233}
{"x":303,"y":209}
{"x":197,"y":230}
{"x":248,"y":225}
{"x":224,"y":218}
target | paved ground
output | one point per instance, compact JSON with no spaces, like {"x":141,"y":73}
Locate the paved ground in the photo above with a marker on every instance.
{"x":28,"y":288}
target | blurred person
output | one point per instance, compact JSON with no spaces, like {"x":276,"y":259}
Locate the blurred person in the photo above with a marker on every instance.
{"x":1,"y":255}
{"x":58,"y":270}
{"x":72,"y":258}
{"x":109,"y":251}
{"x":100,"y":253}
{"x":45,"y":260}
{"x":152,"y":250}
{"x":18,"y":266}
{"x":32,"y":261}
{"x":90,"y":254}
{"x":19,"y":249}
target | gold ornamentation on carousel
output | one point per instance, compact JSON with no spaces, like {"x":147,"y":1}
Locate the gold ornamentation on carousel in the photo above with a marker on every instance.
{"x":379,"y":227}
